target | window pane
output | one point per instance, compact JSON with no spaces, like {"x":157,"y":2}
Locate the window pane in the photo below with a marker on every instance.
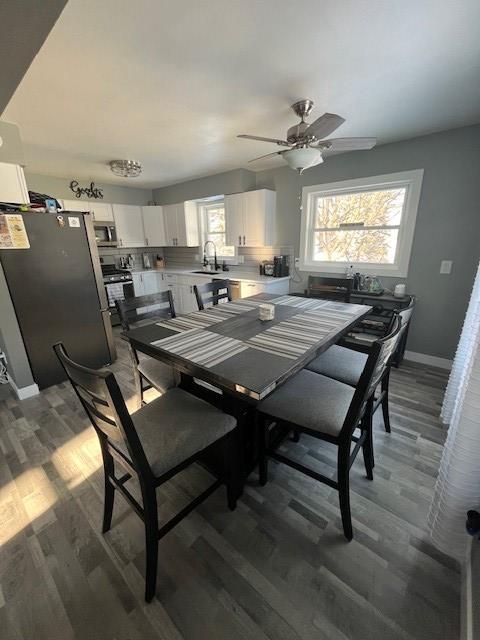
{"x":216,"y":220}
{"x":373,"y":208}
{"x":222,"y":248}
{"x":376,"y":246}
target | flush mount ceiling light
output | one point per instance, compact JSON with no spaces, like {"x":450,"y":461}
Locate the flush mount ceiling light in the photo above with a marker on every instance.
{"x":126,"y":168}
{"x":307,"y":140}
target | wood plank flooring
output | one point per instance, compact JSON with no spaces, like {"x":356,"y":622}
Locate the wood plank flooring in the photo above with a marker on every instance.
{"x":277,"y":568}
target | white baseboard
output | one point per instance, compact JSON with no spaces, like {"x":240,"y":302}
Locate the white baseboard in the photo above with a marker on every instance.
{"x":23,"y":393}
{"x":433,"y":361}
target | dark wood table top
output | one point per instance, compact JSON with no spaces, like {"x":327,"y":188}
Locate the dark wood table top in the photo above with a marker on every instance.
{"x":231,"y":348}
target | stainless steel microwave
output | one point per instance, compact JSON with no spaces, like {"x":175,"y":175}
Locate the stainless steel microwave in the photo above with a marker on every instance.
{"x":105,"y":234}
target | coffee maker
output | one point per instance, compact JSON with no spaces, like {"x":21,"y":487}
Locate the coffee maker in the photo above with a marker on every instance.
{"x":281,"y":266}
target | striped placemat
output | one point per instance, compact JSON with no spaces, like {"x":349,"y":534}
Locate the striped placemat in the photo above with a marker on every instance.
{"x":300,"y":303}
{"x":292,"y":337}
{"x":201,"y":346}
{"x":237,"y":307}
{"x":195,"y":320}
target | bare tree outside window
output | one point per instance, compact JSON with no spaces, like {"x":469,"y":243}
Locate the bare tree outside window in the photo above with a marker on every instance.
{"x":358,"y":227}
{"x":214,"y":225}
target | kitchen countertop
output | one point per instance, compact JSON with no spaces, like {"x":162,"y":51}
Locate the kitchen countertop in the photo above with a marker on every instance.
{"x":241,"y":276}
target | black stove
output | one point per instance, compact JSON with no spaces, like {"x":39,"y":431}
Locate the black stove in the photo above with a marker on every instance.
{"x":112,"y":274}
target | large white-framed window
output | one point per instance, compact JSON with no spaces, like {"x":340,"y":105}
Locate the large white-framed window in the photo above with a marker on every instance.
{"x":368,"y":223}
{"x":213,"y":227}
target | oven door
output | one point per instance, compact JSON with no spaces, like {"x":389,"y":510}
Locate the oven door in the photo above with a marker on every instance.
{"x":117,"y":291}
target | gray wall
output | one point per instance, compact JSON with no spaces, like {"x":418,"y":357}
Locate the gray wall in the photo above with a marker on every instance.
{"x":447,"y":227}
{"x":227,"y":182}
{"x":11,"y":149}
{"x":59,"y":188}
{"x":11,"y":341}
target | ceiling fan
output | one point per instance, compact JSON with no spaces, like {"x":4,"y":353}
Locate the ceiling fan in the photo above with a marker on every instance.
{"x":306,"y":141}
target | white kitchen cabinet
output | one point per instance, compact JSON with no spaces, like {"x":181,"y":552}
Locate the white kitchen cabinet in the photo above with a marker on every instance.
{"x":129,"y":224}
{"x":250,"y":218}
{"x":138,"y":286}
{"x":271,"y":286}
{"x":75,"y":205}
{"x":101,"y":211}
{"x":181,"y":224}
{"x":186,"y":293}
{"x":154,"y":226}
{"x":13,"y":187}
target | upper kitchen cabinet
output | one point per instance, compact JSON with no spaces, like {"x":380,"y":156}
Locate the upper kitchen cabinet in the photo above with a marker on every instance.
{"x":101,"y":211}
{"x":13,"y":187}
{"x":250,"y":218}
{"x":154,"y":226}
{"x":181,"y":224}
{"x":129,"y":224}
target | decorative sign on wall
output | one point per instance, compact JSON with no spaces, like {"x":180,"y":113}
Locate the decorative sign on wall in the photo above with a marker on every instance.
{"x":91,"y":192}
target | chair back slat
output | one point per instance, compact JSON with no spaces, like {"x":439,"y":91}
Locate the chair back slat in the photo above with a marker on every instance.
{"x":103,"y":402}
{"x":378,"y":360}
{"x":135,"y":311}
{"x":330,"y":288}
{"x":212,"y":293}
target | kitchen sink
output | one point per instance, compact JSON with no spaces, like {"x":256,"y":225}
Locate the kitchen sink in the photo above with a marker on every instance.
{"x":207,"y":273}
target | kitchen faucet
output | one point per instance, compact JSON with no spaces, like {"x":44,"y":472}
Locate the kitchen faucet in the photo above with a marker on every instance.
{"x":205,"y":259}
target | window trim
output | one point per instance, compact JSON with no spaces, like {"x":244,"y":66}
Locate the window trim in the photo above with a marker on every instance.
{"x":411,"y":180}
{"x":201,"y":206}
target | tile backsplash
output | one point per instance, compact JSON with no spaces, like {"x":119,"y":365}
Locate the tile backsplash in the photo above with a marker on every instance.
{"x":250,"y":257}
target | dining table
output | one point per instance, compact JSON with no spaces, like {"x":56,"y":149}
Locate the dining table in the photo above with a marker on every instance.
{"x":229,"y":356}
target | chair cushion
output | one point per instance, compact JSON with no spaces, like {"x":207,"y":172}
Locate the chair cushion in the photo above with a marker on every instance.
{"x":311,"y":400}
{"x":340,"y":363}
{"x":159,"y":374}
{"x":176,"y":426}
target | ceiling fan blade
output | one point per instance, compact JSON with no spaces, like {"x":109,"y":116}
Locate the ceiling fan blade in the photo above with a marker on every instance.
{"x":283,"y":143}
{"x":324,"y":125}
{"x":346,"y":144}
{"x":268,"y":155}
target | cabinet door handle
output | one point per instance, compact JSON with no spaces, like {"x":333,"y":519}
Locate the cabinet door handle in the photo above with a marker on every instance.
{"x":239,"y":240}
{"x":191,"y":289}
{"x":243,"y":240}
{"x":146,"y":241}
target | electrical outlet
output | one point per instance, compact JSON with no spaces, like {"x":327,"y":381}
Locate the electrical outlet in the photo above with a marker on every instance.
{"x":446,"y":267}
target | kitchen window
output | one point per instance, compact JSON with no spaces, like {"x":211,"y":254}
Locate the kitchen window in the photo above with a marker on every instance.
{"x":368,"y":223}
{"x":212,"y":218}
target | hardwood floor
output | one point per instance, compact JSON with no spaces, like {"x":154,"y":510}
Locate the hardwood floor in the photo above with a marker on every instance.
{"x":278,"y":567}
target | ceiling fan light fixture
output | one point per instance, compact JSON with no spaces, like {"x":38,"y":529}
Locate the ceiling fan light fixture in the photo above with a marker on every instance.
{"x":302,"y":158}
{"x":126,"y":168}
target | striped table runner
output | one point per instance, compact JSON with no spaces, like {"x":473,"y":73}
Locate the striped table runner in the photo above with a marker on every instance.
{"x":201,"y":346}
{"x":291,"y":338}
{"x":195,"y":320}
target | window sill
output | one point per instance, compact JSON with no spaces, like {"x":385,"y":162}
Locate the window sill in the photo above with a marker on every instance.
{"x":393,"y":271}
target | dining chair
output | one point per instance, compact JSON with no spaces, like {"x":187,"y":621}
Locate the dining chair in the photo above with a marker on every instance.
{"x":346,"y":365}
{"x":153,"y":445}
{"x":329,"y":288}
{"x":328,"y":410}
{"x":212,"y":293}
{"x":139,"y":310}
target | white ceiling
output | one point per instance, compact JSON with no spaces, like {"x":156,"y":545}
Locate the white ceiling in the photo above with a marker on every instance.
{"x":171,"y":82}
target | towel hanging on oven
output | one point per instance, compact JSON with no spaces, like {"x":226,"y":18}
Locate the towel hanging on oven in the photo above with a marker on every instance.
{"x":115,"y":291}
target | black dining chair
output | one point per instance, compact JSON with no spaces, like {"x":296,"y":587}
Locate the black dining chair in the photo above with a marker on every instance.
{"x":138,"y":311}
{"x":331,"y":411}
{"x":329,"y":288}
{"x":346,"y":365}
{"x":212,"y":293}
{"x":153,"y":445}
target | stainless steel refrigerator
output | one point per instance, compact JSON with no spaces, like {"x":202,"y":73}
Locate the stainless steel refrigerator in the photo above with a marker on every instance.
{"x":58,"y":293}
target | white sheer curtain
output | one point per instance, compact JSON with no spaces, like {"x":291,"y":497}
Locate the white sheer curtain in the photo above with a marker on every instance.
{"x":458,"y":484}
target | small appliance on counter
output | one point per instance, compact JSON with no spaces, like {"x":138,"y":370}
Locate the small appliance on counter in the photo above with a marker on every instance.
{"x":160,"y":262}
{"x":146,"y":261}
{"x":281,"y":266}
